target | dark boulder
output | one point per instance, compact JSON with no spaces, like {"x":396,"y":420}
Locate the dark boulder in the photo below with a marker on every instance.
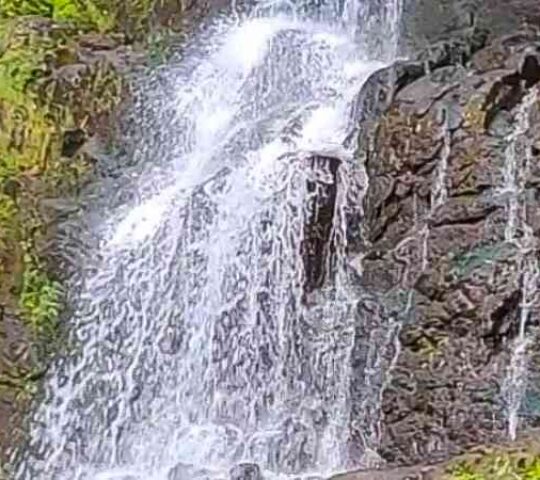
{"x":317,"y":248}
{"x":246,"y":471}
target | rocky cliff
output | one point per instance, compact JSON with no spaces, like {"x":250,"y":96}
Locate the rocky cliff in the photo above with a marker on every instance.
{"x":451,"y":238}
{"x":449,"y":244}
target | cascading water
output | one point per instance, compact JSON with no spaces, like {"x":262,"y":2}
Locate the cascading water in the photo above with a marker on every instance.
{"x":518,"y":231}
{"x":209,"y":327}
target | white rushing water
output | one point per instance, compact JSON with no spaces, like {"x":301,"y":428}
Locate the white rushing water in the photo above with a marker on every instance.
{"x":516,"y":171}
{"x":199,"y":344}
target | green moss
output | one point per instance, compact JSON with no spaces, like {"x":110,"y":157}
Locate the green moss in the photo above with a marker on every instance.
{"x":475,"y":115}
{"x":158,"y":47}
{"x":40,"y":298}
{"x":129,"y":16}
{"x":468,"y":261}
{"x":431,"y":347}
{"x":498,"y":466}
{"x":35,"y":110}
{"x":8,"y":212}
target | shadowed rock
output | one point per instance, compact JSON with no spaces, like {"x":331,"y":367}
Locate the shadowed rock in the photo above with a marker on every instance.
{"x":317,"y":247}
{"x":246,"y":471}
{"x":438,"y":270}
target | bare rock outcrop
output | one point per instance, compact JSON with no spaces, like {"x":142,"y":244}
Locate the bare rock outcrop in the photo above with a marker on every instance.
{"x":450,"y":254}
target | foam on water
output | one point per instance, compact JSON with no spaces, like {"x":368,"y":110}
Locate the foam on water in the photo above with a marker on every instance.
{"x":195,"y":346}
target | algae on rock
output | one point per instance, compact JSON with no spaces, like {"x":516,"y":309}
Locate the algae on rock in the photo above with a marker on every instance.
{"x":498,"y":464}
{"x":40,"y":100}
{"x":61,"y":81}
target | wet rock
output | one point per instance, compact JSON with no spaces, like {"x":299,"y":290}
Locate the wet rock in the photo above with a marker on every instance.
{"x":246,"y":471}
{"x":426,"y":22}
{"x":317,"y":248}
{"x":438,"y":271}
{"x":67,"y":91}
{"x":73,"y":140}
{"x":179,"y":472}
{"x":183,"y":471}
{"x":15,"y":368}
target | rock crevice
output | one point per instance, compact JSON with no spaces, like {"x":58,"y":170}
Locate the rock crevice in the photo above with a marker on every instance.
{"x":451,"y":226}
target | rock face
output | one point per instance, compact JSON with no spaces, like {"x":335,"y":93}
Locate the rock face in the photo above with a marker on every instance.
{"x":521,"y":460}
{"x":59,"y":86}
{"x":426,"y":22}
{"x":321,"y":201}
{"x":451,"y":251}
{"x":246,"y":471}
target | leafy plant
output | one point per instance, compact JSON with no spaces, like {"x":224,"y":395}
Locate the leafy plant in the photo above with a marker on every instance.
{"x":532,"y":472}
{"x":158,"y":47}
{"x":8,"y":210}
{"x":40,"y":298}
{"x":8,"y":227}
{"x":13,"y":8}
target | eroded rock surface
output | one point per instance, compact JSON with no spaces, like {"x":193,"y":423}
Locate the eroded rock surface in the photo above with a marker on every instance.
{"x":450,"y":255}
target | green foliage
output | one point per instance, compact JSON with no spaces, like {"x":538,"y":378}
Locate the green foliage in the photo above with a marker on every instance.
{"x":501,"y":466}
{"x":40,"y":298}
{"x":35,"y":110}
{"x":8,"y":228}
{"x":465,"y":472}
{"x":8,"y":210}
{"x":87,"y":13}
{"x":100,"y":15}
{"x":533,"y":471}
{"x":13,"y":8}
{"x":20,"y":60}
{"x":158,"y":47}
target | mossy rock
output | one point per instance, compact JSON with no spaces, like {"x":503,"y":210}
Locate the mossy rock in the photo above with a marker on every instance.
{"x":64,"y":71}
{"x":129,"y":16}
{"x":59,"y":86}
{"x":518,"y":461}
{"x":43,"y":97}
{"x":498,"y":467}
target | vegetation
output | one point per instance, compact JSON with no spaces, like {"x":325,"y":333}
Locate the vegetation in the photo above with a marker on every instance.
{"x":40,"y":298}
{"x":498,"y":466}
{"x":50,"y":93}
{"x":128,"y":16}
{"x":475,"y":115}
{"x":468,"y":261}
{"x":33,"y":119}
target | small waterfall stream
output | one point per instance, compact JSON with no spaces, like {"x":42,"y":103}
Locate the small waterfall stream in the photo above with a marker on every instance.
{"x":517,"y":231}
{"x":213,"y":321}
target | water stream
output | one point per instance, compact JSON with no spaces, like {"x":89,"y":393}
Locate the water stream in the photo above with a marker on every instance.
{"x":516,"y":171}
{"x":213,"y":320}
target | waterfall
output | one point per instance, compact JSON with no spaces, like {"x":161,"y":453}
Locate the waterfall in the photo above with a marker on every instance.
{"x":213,"y":317}
{"x":518,"y":232}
